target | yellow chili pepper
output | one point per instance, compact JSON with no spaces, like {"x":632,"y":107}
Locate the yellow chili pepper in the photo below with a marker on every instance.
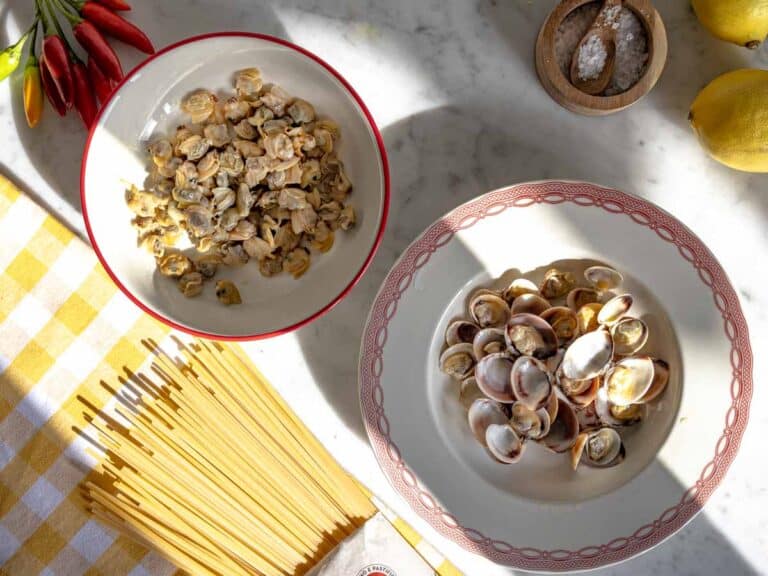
{"x":11,"y":56}
{"x":33,"y":92}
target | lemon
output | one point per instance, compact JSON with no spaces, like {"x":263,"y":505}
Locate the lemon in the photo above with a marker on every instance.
{"x":730,"y":117}
{"x":743,"y":22}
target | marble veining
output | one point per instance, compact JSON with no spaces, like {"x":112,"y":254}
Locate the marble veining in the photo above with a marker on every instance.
{"x":453,"y":87}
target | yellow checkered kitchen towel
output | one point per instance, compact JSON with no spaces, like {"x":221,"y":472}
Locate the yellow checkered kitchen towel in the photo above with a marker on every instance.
{"x":64,"y":327}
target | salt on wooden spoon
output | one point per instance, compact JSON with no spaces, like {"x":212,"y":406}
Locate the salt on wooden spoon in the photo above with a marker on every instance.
{"x":592,"y":62}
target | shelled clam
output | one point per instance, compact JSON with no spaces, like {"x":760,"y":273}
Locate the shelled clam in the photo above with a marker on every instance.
{"x":559,"y":364}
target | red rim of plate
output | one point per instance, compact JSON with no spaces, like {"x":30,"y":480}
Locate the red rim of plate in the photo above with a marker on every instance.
{"x":399,"y":280}
{"x":384,"y":211}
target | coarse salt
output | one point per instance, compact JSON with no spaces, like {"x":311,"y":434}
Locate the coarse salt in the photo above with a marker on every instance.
{"x":592,"y":56}
{"x":631,"y":43}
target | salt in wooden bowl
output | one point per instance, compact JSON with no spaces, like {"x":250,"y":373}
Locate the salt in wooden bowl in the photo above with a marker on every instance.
{"x":559,"y":87}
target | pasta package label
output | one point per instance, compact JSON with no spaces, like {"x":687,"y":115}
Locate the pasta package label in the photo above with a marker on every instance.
{"x":375,"y":549}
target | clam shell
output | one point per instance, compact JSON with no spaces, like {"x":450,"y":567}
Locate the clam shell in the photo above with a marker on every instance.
{"x":564,"y":322}
{"x":603,"y":278}
{"x":460,"y":331}
{"x":588,"y":396}
{"x":581,"y":296}
{"x":488,"y":309}
{"x":552,"y":405}
{"x":603,"y":448}
{"x":518,"y":287}
{"x":489,"y":341}
{"x":504,"y":443}
{"x":660,"y":380}
{"x":563,"y":430}
{"x":458,"y":360}
{"x":529,"y":423}
{"x":469,"y":391}
{"x":617,"y":416}
{"x":629,"y":336}
{"x":493,"y":374}
{"x":531,"y":384}
{"x":531,"y":336}
{"x":556,"y":283}
{"x":481,"y":414}
{"x":587,"y":317}
{"x":629,"y":379}
{"x":577,"y":449}
{"x":529,"y":304}
{"x":588,"y":356}
{"x":613,"y":310}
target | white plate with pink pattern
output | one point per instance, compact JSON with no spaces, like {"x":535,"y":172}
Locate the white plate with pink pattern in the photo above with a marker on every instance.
{"x":539,"y":514}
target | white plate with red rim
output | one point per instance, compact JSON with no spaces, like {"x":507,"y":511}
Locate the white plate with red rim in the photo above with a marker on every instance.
{"x":147,"y":105}
{"x":538,"y":514}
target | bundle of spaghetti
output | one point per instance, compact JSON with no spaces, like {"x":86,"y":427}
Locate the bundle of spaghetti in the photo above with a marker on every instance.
{"x":206,"y":463}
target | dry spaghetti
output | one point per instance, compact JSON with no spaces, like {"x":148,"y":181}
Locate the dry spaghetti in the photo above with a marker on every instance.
{"x":206,"y":463}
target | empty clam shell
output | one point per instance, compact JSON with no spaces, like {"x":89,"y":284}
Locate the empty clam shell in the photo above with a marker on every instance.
{"x":552,"y":405}
{"x":603,"y":448}
{"x":458,"y":360}
{"x":460,"y":331}
{"x":563,"y":430}
{"x":481,"y":414}
{"x":577,"y":449}
{"x":629,"y":415}
{"x":469,"y":391}
{"x":531,"y":384}
{"x":493,"y":374}
{"x":613,"y":310}
{"x":556,"y":283}
{"x":563,"y":321}
{"x":588,"y":356}
{"x":569,"y":386}
{"x":529,"y":423}
{"x":603,"y":278}
{"x":610,"y":414}
{"x":660,"y":380}
{"x":586,"y":397}
{"x":629,"y":379}
{"x":488,"y":309}
{"x":529,"y":304}
{"x":504,"y":443}
{"x":587,"y":317}
{"x":629,"y":336}
{"x":581,"y":296}
{"x":530,"y":335}
{"x":518,"y":287}
{"x":489,"y":341}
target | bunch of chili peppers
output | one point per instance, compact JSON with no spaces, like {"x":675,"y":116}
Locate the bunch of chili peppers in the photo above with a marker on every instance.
{"x":65,"y":79}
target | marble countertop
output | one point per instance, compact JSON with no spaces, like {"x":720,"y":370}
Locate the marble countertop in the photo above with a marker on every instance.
{"x":452,"y":85}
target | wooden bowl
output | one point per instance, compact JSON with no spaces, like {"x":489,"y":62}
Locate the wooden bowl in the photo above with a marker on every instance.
{"x":566,"y":94}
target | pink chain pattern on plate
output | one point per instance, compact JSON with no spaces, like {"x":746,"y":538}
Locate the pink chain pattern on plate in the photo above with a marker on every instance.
{"x":439,"y":234}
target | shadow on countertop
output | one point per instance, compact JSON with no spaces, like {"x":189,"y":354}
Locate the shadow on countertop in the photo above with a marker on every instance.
{"x":55,"y":146}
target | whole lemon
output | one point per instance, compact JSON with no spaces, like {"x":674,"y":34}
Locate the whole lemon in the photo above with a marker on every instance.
{"x":730,"y":117}
{"x":743,"y":22}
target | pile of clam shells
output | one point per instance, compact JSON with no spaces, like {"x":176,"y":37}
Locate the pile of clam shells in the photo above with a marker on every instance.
{"x":251,"y":177}
{"x":557,"y":364}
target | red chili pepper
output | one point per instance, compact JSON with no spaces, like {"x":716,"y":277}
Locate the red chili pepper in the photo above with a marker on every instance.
{"x":115,"y":4}
{"x":84,"y":100}
{"x":97,"y":47}
{"x":57,"y":59}
{"x":50,"y":88}
{"x":114,"y":25}
{"x":101,"y":84}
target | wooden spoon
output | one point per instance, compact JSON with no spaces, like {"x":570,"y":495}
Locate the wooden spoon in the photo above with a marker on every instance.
{"x":602,"y":29}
